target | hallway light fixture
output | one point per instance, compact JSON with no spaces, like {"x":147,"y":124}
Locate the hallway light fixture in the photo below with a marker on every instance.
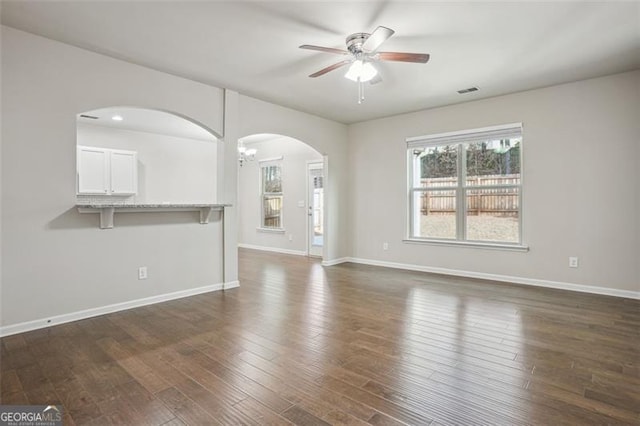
{"x":245,"y":154}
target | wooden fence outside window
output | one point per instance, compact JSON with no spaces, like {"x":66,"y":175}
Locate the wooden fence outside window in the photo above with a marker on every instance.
{"x":491,"y":201}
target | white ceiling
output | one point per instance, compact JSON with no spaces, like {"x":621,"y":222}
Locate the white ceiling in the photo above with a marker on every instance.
{"x":252,"y":47}
{"x":261,"y":137}
{"x":146,"y":120}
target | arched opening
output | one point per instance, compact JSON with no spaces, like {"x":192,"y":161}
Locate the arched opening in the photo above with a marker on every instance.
{"x":281,"y":195}
{"x":144,"y":156}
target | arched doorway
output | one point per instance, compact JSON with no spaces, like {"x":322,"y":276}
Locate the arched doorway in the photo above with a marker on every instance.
{"x":281,"y":198}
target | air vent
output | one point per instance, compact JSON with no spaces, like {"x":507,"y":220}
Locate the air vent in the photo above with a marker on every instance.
{"x":88,"y":116}
{"x":470,"y":89}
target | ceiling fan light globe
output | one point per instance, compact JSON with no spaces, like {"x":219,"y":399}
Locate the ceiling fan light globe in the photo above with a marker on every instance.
{"x":353,"y":73}
{"x":361,"y":71}
{"x":368,"y":72}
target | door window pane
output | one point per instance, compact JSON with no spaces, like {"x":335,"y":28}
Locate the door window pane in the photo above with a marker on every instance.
{"x":317,"y":207}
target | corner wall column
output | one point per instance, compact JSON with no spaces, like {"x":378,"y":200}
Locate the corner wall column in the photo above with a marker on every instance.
{"x":228,"y":187}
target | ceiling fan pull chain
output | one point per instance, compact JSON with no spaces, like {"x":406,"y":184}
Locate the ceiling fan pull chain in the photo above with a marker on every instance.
{"x":360,"y":91}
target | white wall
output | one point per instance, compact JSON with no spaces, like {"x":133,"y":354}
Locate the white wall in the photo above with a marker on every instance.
{"x":329,"y":139}
{"x":170,"y":169}
{"x":55,"y":260}
{"x":294,"y":185}
{"x":581,"y":184}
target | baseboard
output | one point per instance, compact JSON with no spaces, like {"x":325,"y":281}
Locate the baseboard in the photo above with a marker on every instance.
{"x":273,"y":249}
{"x":502,"y":278}
{"x":94,"y":312}
{"x":230,"y":285}
{"x":333,"y":262}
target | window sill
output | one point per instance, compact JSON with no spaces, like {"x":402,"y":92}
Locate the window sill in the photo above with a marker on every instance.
{"x":271,"y":230}
{"x":469,"y":244}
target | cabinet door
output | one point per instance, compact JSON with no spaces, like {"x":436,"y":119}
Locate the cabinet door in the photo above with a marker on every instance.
{"x":93,"y":170}
{"x":124,"y":175}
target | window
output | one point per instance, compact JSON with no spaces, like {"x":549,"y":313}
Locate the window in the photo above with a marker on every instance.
{"x":466,"y":186}
{"x":271,"y":194}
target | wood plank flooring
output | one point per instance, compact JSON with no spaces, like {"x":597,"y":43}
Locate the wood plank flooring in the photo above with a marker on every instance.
{"x":345,"y":345}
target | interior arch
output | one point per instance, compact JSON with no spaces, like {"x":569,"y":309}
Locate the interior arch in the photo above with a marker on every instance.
{"x":175,"y":156}
{"x":298,"y":225}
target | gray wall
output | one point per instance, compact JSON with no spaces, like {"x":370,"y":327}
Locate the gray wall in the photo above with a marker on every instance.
{"x":329,"y":139}
{"x":580,"y":139}
{"x":580,"y":184}
{"x":55,"y":260}
{"x":294,"y":183}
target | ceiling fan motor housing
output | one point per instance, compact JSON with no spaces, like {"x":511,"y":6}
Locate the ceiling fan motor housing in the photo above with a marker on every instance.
{"x":355,"y":42}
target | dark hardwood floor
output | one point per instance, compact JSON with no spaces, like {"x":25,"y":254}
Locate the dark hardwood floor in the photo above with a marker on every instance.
{"x":349,"y":344}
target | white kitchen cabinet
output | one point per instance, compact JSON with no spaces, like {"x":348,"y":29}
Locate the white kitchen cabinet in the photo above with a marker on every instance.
{"x":103,"y":171}
{"x":93,"y":170}
{"x":124,"y":176}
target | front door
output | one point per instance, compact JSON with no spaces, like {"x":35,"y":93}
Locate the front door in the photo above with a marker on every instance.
{"x":315,"y":209}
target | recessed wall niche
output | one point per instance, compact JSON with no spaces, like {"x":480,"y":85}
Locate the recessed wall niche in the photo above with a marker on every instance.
{"x":143,"y":156}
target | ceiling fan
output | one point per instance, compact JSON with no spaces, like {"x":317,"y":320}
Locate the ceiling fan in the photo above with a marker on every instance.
{"x":362,"y":51}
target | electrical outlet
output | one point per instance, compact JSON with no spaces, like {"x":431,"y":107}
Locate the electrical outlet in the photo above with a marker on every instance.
{"x":573,"y":262}
{"x":142,"y":273}
{"x":385,"y":246}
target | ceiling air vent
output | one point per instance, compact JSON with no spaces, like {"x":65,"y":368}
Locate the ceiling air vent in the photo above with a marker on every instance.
{"x":468,"y":90}
{"x":88,"y":116}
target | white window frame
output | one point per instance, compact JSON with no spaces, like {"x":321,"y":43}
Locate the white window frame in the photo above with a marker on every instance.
{"x":269,"y":162}
{"x":460,"y":138}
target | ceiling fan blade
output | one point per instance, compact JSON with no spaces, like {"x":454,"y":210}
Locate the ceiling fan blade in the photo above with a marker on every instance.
{"x":377,"y":37}
{"x":324,"y":49}
{"x":323,"y":71}
{"x":421,"y":58}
